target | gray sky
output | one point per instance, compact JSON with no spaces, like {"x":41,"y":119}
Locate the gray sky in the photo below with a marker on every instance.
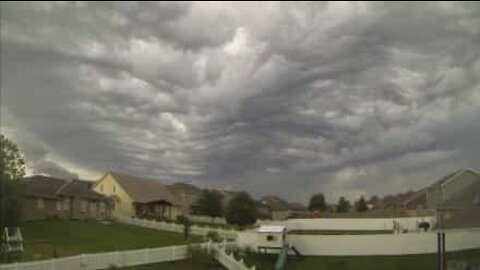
{"x":274,"y":98}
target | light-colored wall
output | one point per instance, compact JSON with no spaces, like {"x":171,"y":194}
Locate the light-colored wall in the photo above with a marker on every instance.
{"x":352,"y":224}
{"x":123,"y":208}
{"x":454,"y":187}
{"x":365,"y":245}
{"x":95,"y":212}
{"x":30,"y":210}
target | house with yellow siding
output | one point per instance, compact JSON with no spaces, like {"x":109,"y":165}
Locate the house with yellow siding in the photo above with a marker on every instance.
{"x":139,"y":197}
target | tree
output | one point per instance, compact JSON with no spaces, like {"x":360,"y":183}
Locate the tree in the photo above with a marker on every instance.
{"x":209,"y":204}
{"x":241,"y":210}
{"x":343,"y":205}
{"x":317,"y":202}
{"x":374,"y":199}
{"x":12,"y":171}
{"x":361,"y":205}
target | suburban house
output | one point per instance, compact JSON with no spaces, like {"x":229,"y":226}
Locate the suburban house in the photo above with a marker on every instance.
{"x":455,"y":198}
{"x":139,"y":197}
{"x":48,"y":197}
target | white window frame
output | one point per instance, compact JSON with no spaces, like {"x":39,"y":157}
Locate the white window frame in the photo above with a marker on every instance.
{"x":40,"y":203}
{"x":58,"y":205}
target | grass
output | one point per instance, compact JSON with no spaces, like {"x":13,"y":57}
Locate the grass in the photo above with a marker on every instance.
{"x":178,"y":265}
{"x":77,"y":237}
{"x":322,"y":232}
{"x":410,"y":262}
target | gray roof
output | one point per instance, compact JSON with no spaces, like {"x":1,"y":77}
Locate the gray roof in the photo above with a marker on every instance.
{"x":143,"y":190}
{"x":50,"y":187}
{"x":42,"y":186}
{"x":80,"y":188}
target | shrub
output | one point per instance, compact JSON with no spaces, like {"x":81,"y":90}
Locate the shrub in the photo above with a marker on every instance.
{"x":213,"y":235}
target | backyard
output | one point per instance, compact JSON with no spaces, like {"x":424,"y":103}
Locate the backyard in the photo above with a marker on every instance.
{"x":410,"y":262}
{"x":43,"y":239}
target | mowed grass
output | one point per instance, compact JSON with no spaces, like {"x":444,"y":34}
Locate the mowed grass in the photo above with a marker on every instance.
{"x":178,"y":265}
{"x":322,"y":232}
{"x":410,"y":262}
{"x":69,"y":238}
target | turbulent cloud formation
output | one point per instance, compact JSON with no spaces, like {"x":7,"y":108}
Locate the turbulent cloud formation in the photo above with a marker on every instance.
{"x":285,"y":98}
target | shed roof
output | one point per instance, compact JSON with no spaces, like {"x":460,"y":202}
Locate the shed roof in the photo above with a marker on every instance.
{"x":271,"y":229}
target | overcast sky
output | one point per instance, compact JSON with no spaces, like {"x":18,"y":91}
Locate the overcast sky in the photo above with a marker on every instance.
{"x":273,"y":98}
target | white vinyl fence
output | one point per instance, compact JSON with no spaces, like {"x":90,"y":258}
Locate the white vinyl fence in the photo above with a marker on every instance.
{"x":172,"y":227}
{"x":207,"y":219}
{"x":228,"y":260}
{"x":99,"y":261}
{"x":105,"y":260}
{"x":353,"y":224}
{"x":375,"y":244}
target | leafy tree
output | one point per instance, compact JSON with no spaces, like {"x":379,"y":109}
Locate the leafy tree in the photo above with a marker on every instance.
{"x":241,"y":210}
{"x":12,"y":171}
{"x":343,"y":205}
{"x":361,"y":205}
{"x":374,"y":199}
{"x":209,"y":204}
{"x":317,"y":202}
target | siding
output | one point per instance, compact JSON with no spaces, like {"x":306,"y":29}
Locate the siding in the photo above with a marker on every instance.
{"x":32,"y":212}
{"x":124,"y":206}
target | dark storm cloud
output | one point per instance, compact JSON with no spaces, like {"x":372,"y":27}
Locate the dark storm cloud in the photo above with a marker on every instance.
{"x":284,"y":98}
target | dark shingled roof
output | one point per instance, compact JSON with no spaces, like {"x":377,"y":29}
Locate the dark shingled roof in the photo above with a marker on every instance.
{"x":50,"y":187}
{"x":80,"y":188}
{"x":143,"y":190}
{"x":42,"y":186}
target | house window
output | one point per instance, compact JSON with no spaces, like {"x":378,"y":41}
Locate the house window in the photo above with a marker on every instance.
{"x":114,"y":189}
{"x":93,"y":208}
{"x":66,"y":204}
{"x":59,"y":205}
{"x":102,"y":207}
{"x":40,"y":204}
{"x":84,"y":206}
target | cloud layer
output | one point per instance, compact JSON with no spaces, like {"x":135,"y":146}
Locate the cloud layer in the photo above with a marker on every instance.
{"x":283,"y":98}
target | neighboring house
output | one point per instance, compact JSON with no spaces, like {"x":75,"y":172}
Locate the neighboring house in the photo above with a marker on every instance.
{"x":187,"y":195}
{"x":139,"y":197}
{"x":455,"y":199}
{"x":280,"y":209}
{"x":48,"y":197}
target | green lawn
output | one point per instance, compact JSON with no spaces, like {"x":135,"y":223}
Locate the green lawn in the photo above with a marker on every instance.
{"x":318,"y":232}
{"x":76,"y":237}
{"x":411,"y":262}
{"x":178,"y":265}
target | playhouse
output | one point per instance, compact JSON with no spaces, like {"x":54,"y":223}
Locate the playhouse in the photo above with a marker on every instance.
{"x":271,"y":237}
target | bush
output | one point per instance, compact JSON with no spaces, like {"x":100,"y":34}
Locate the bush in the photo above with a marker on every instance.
{"x":180,"y":220}
{"x":213,"y":235}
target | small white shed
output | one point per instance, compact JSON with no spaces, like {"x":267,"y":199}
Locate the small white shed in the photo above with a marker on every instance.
{"x":271,"y":236}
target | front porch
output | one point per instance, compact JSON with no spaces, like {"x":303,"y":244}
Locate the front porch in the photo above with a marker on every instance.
{"x":157,"y":210}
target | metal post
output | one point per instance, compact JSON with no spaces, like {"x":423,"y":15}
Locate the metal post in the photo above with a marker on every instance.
{"x":439,"y":251}
{"x":444,"y":254}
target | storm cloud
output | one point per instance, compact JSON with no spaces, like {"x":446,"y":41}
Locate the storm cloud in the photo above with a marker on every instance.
{"x":275,"y":98}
